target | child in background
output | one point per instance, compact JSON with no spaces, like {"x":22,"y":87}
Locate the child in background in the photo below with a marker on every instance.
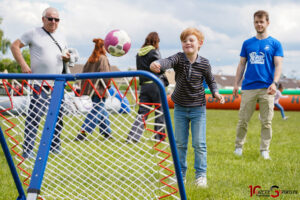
{"x":149,"y":92}
{"x":278,"y":96}
{"x":189,"y":98}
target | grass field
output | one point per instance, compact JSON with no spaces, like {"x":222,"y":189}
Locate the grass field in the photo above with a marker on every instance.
{"x":229,"y":177}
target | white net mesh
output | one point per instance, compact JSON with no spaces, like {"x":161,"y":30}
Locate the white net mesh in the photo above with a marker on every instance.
{"x":106,"y":164}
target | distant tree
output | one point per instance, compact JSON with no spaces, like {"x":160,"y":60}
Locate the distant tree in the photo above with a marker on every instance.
{"x":26,"y":55}
{"x":4,"y":43}
{"x":6,"y":63}
{"x":10,"y":65}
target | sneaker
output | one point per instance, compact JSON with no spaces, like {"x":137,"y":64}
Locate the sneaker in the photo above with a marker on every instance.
{"x":159,"y":137}
{"x":286,"y":117}
{"x":265,"y":155}
{"x":27,"y":155}
{"x":238,"y":151}
{"x":201,"y":182}
{"x":107,"y":136}
{"x":184,"y":179}
{"x":131,"y":141}
{"x":80,"y":137}
{"x":55,"y":151}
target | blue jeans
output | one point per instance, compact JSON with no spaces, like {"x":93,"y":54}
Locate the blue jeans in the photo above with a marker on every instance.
{"x":277,"y":105}
{"x":183,"y":117}
{"x":97,"y":116}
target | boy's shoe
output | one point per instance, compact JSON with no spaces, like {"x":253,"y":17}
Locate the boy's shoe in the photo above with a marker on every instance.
{"x":131,"y":140}
{"x":286,"y":117}
{"x":55,"y":151}
{"x":238,"y":151}
{"x":80,"y":137}
{"x":265,"y":155}
{"x":107,"y":136}
{"x":201,"y":182}
{"x":29,"y":156}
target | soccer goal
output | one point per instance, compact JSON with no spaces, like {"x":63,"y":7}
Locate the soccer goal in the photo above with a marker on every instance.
{"x":42,"y":115}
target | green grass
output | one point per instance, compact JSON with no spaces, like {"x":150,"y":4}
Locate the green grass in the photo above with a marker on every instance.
{"x":229,"y":177}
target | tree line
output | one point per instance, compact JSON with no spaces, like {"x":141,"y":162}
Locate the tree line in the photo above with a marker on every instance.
{"x":6,"y":63}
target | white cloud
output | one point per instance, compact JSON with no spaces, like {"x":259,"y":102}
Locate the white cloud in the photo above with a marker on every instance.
{"x":19,"y":16}
{"x":226,"y":24}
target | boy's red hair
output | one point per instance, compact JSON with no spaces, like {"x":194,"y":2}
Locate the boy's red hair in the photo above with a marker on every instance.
{"x":192,"y":31}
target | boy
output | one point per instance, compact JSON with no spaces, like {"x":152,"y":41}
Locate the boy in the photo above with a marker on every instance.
{"x":189,"y":98}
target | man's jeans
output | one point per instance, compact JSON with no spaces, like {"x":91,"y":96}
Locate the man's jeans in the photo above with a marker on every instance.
{"x":183,"y":117}
{"x":37,"y":109}
{"x":97,"y":116}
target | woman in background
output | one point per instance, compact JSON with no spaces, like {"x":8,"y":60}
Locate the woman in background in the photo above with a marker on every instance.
{"x":149,"y":92}
{"x":97,"y":62}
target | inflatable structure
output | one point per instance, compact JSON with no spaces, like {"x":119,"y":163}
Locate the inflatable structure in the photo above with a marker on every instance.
{"x":292,"y":103}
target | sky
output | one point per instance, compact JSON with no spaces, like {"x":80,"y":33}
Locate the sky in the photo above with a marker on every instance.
{"x":225,"y":24}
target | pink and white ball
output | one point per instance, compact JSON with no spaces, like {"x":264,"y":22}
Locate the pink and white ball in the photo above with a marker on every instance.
{"x":117,"y":43}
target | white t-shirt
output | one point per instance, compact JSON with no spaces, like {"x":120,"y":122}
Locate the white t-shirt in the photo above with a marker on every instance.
{"x":45,"y":55}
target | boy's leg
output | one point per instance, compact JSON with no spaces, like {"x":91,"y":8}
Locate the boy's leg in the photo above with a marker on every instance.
{"x":198,"y":127}
{"x":181,"y":135}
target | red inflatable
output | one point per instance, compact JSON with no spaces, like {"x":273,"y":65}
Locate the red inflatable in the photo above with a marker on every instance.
{"x":233,"y":103}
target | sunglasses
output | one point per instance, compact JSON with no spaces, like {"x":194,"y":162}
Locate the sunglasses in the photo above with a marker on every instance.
{"x":50,"y":19}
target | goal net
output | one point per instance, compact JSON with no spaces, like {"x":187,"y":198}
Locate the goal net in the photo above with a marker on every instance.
{"x":91,"y":154}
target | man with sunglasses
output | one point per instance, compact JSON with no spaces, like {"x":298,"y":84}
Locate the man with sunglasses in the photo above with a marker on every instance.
{"x":46,"y":46}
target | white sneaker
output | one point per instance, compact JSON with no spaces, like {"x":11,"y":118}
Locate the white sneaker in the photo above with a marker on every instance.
{"x":201,"y":182}
{"x":238,"y":151}
{"x":286,"y":117}
{"x":265,"y":155}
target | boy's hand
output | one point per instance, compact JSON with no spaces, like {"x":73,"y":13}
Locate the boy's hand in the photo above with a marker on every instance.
{"x":220,"y":98}
{"x":155,"y":67}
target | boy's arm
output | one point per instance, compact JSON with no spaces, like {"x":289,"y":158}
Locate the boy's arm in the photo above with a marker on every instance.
{"x":164,"y":64}
{"x":210,"y":81}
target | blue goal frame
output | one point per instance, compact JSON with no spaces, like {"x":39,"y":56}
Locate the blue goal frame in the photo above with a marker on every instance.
{"x":51,"y":119}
